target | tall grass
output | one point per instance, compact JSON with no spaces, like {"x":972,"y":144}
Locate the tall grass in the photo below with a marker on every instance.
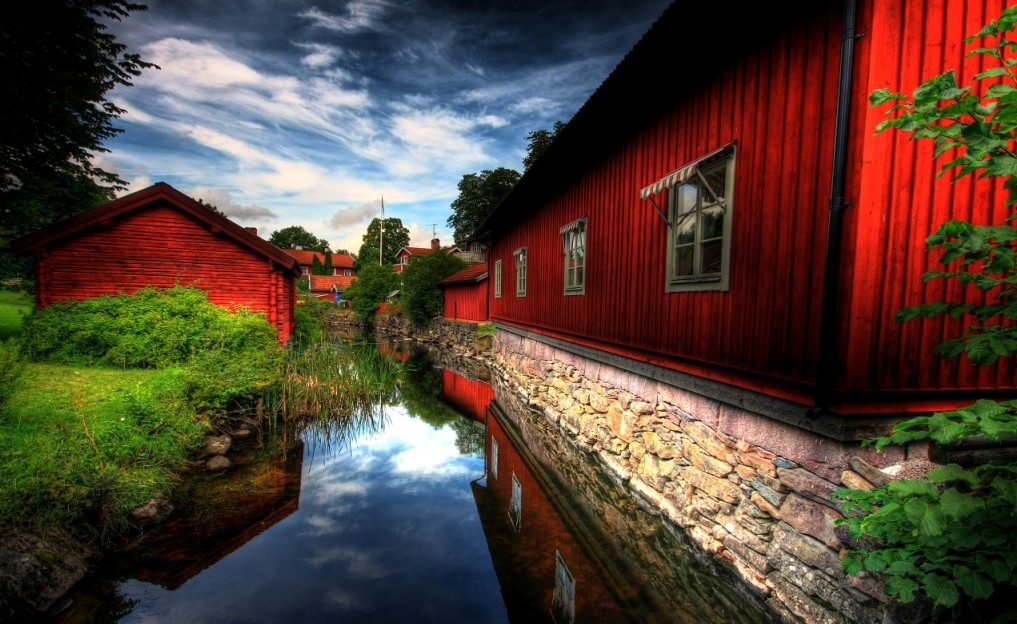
{"x":333,"y":380}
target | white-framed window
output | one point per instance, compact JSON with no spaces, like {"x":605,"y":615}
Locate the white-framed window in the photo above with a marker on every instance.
{"x":497,"y":277}
{"x":494,"y":457}
{"x":563,"y":600}
{"x":520,"y":256}
{"x":699,"y":214}
{"x":573,"y":240}
{"x":515,"y":511}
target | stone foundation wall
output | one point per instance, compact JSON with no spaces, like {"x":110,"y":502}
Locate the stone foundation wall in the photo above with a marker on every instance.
{"x":753,"y":492}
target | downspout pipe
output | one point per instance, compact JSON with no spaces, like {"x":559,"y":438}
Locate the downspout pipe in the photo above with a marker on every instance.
{"x":827,"y":366}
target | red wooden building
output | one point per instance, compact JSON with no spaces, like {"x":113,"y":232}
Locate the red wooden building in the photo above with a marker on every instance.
{"x":160,"y":237}
{"x":720,"y":215}
{"x":342,"y":264}
{"x":465,"y":293}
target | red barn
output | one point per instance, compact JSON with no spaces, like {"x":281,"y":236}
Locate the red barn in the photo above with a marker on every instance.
{"x":160,"y":237}
{"x":466,"y":293}
{"x":729,"y":221}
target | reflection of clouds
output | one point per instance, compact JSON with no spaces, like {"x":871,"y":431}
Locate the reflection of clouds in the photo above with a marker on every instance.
{"x":358,"y":563}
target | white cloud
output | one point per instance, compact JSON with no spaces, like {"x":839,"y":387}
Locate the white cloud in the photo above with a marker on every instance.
{"x":320,"y":55}
{"x":353,"y":215}
{"x":360,"y":15}
{"x":222,"y":200}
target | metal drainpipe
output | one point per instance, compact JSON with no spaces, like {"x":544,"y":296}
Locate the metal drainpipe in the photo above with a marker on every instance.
{"x":827,"y":366}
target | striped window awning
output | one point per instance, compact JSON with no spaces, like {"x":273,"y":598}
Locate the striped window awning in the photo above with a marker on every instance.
{"x":579,"y":223}
{"x":683,"y":174}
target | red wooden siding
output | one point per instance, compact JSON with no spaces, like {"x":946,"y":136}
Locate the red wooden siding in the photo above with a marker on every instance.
{"x":782,"y":176}
{"x":776,"y":101}
{"x":900,"y":201}
{"x":466,"y":302}
{"x":465,"y":293}
{"x":156,"y":238}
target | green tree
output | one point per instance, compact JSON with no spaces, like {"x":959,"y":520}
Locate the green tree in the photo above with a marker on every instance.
{"x":479,"y":194}
{"x":59,"y":62}
{"x":327,"y":268}
{"x":316,"y":266}
{"x":394,"y":238}
{"x":373,"y":284}
{"x":538,"y":142}
{"x":422,"y":298}
{"x":952,"y":535}
{"x":296,"y":236}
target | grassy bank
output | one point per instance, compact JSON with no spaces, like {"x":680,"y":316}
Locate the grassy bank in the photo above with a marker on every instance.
{"x":103,"y":401}
{"x":81,"y":447}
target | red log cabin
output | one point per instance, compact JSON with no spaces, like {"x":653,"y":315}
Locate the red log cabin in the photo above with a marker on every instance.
{"x":160,"y":237}
{"x":721,"y":216}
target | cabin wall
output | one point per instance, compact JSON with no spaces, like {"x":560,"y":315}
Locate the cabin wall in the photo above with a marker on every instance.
{"x":777,"y":106}
{"x":159,"y":246}
{"x":465,"y":302}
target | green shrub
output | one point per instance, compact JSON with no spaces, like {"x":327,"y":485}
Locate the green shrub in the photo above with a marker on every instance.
{"x":221,"y":381}
{"x":309,"y":320}
{"x":148,"y":329}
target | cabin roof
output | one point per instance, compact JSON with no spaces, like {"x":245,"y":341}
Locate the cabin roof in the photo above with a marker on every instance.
{"x":474,"y":273}
{"x":159,"y":191}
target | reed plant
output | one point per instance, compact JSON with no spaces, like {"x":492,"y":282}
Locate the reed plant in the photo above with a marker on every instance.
{"x":330,"y":379}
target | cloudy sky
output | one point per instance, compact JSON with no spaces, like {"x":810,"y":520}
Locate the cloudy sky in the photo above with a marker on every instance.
{"x":309,"y":112}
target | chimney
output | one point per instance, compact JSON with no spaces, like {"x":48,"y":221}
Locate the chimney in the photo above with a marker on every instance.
{"x":299,"y":247}
{"x":435,"y":244}
{"x":252,"y":230}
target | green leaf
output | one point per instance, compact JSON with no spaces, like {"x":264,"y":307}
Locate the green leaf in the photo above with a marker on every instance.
{"x":957,"y":505}
{"x":941,"y":590}
{"x":928,"y":518}
{"x":913,"y":487}
{"x":973,"y":583}
{"x":953,"y":472}
{"x":903,"y":589}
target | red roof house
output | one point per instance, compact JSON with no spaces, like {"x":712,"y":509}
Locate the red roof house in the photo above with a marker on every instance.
{"x":342,"y":264}
{"x":466,"y":293}
{"x":160,"y":237}
{"x":406,"y":255}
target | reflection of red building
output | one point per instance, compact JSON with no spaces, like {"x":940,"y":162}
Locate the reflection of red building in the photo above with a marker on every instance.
{"x":545,"y":572}
{"x":393,"y":352}
{"x":194,"y":539}
{"x":469,"y":397}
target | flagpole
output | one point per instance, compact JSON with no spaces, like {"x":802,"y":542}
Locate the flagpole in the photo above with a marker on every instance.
{"x":381,"y":231}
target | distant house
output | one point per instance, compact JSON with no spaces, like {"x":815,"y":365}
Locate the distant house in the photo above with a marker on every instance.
{"x":329,"y":287}
{"x":160,"y":237}
{"x":406,"y":255}
{"x":342,"y":264}
{"x":466,"y":293}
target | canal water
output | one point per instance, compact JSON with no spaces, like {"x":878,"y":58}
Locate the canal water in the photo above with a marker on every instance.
{"x":443,"y":506}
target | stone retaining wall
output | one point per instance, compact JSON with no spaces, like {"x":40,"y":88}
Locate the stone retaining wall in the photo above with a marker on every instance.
{"x":752,"y":491}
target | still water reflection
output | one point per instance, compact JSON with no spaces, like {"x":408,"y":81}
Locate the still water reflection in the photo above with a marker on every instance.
{"x":430,"y":509}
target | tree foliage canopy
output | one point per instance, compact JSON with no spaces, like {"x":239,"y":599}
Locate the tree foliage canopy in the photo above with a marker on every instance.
{"x":479,"y":194}
{"x":373,"y":284}
{"x":59,"y":62}
{"x":538,"y":142}
{"x":296,"y":236}
{"x":422,"y":297}
{"x":395,"y":237}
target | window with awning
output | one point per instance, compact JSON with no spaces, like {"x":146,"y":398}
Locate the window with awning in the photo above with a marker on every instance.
{"x":698,"y":217}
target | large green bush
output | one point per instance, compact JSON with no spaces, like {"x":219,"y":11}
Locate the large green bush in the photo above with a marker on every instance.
{"x":149,"y":329}
{"x":422,"y":298}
